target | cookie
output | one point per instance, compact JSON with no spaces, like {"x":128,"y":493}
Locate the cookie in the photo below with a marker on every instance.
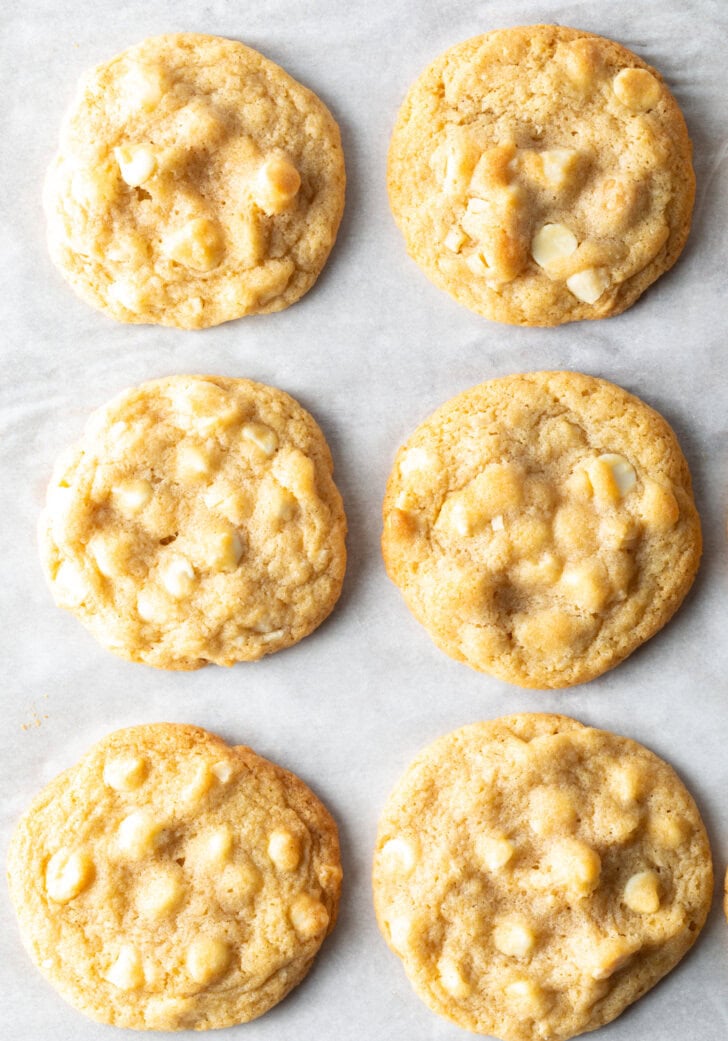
{"x":169,"y":881}
{"x":536,"y":876}
{"x":541,"y":175}
{"x":196,"y":521}
{"x":542,"y":526}
{"x":195,"y":182}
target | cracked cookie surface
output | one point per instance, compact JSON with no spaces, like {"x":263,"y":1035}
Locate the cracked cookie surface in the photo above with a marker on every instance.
{"x":542,"y":526}
{"x":541,"y":175}
{"x":196,"y":182}
{"x":169,"y":881}
{"x":536,"y":876}
{"x":196,"y":521}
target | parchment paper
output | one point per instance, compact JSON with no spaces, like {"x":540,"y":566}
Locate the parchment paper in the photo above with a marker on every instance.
{"x":371,"y":351}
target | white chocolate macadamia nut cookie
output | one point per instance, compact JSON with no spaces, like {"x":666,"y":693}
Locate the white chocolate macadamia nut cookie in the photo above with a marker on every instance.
{"x":541,"y":175}
{"x":542,"y":526}
{"x":196,"y":521}
{"x":145,"y":886}
{"x":195,"y":182}
{"x":536,"y":876}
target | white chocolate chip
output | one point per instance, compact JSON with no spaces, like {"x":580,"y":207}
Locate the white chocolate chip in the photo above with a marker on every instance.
{"x":153,"y":607}
{"x":263,"y":624}
{"x":136,"y":165}
{"x":544,"y":572}
{"x":669,"y":831}
{"x":308,"y":916}
{"x":69,"y":585}
{"x":60,"y":500}
{"x":101,"y":550}
{"x":497,"y":522}
{"x":224,"y":550}
{"x":658,"y":508}
{"x":237,"y":885}
{"x":550,"y":810}
{"x":67,"y":874}
{"x":218,"y":845}
{"x":132,"y":496}
{"x":261,"y":436}
{"x":196,"y":127}
{"x":129,"y":296}
{"x":513,"y":937}
{"x":637,"y":89}
{"x":159,"y":894}
{"x":642,"y":893}
{"x":551,"y":243}
{"x":558,"y":165}
{"x":110,"y":552}
{"x":295,"y":471}
{"x":586,"y":585}
{"x":165,"y":1013}
{"x":399,"y":856}
{"x":276,"y":185}
{"x":203,"y":406}
{"x":144,"y":86}
{"x":178,"y":577}
{"x":497,"y":489}
{"x":626,"y":782}
{"x":573,"y":865}
{"x":415,"y":460}
{"x":611,"y":476}
{"x":455,"y":239}
{"x":138,"y":834}
{"x":272,"y":635}
{"x":400,"y":930}
{"x":231,"y":502}
{"x":127,"y":972}
{"x":283,"y":504}
{"x":198,"y":245}
{"x":193,"y":461}
{"x":460,"y":520}
{"x":516,"y":751}
{"x":478,"y":264}
{"x":199,"y":786}
{"x":609,"y":956}
{"x":494,"y":851}
{"x":222,"y":770}
{"x":473,"y":216}
{"x":461,"y":156}
{"x":451,"y":978}
{"x":588,"y":285}
{"x":207,"y":958}
{"x":284,"y":849}
{"x":124,"y":774}
{"x":525,"y":994}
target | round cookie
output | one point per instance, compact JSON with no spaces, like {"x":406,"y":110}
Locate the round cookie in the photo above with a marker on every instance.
{"x":542,"y":526}
{"x":195,"y":182}
{"x":537,"y":876}
{"x":196,"y":521}
{"x":168,"y":881}
{"x":541,"y":175}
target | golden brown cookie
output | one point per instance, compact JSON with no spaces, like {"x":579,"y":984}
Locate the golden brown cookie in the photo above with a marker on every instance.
{"x":541,"y":175}
{"x":169,"y":881}
{"x":537,"y":876}
{"x":196,"y":182}
{"x":542,"y":526}
{"x":196,"y":521}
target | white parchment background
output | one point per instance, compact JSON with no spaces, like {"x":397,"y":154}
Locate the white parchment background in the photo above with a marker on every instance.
{"x":371,"y":351}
